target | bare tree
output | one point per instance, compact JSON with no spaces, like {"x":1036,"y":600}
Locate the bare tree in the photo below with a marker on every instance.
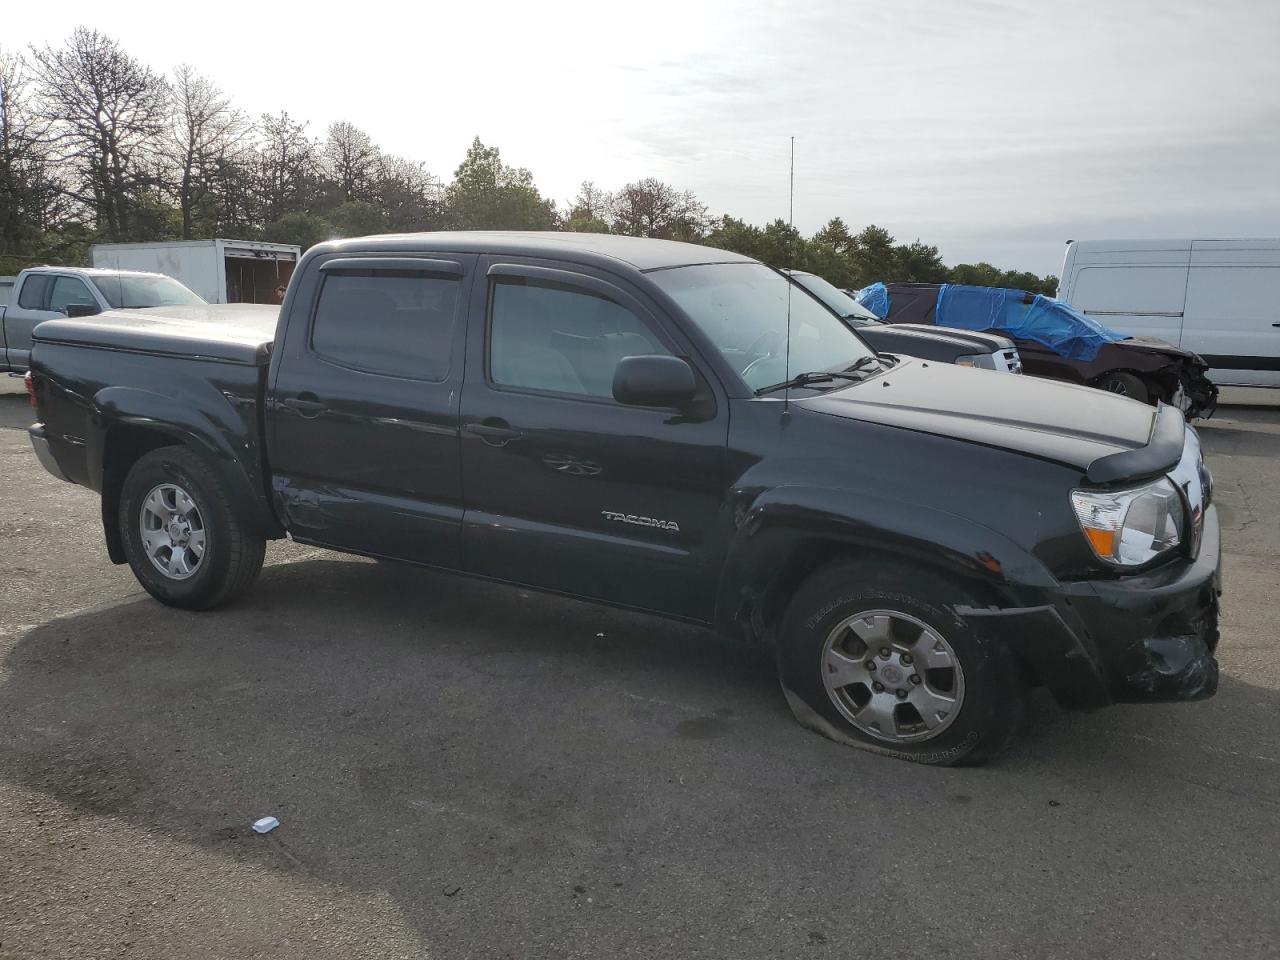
{"x":106,"y":112}
{"x":351,"y":160}
{"x":591,"y":203}
{"x":206,"y":138}
{"x":651,"y":208}
{"x":30,"y":201}
{"x":411,"y":197}
{"x":232,"y":185}
{"x":288,"y":166}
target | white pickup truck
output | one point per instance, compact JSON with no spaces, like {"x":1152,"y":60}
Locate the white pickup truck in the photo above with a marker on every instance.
{"x":46,"y":293}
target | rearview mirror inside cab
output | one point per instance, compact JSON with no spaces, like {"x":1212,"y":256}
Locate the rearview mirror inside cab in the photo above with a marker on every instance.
{"x":654,"y":381}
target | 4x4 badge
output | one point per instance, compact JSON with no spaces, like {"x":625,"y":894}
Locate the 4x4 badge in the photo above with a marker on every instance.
{"x":641,"y":521}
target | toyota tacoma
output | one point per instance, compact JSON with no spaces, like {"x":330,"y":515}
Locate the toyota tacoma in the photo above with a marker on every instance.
{"x":659,"y":426}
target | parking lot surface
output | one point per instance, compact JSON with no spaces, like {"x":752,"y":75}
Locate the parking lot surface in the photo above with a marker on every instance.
{"x":469,"y":770}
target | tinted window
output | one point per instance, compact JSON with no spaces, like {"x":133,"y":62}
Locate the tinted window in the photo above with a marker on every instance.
{"x":69,"y":290}
{"x":560,"y":339}
{"x":32,"y":295}
{"x":399,"y":324}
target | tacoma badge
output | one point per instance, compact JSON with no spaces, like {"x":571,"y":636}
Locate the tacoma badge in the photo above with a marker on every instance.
{"x":641,"y":521}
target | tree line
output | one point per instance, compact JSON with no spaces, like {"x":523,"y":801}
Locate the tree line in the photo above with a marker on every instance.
{"x":97,"y":146}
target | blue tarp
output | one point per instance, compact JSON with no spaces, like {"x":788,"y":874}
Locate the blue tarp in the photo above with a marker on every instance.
{"x":1047,"y":321}
{"x":875,"y":298}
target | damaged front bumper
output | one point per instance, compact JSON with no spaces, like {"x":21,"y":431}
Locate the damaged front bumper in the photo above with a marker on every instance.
{"x":1149,"y":637}
{"x":1200,"y":398}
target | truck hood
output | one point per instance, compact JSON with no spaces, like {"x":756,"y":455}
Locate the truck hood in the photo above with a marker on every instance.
{"x":979,"y":342}
{"x":1158,"y":346}
{"x":1071,"y":425}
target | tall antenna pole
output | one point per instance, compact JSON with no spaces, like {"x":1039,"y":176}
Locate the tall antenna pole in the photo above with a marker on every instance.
{"x":791,"y":265}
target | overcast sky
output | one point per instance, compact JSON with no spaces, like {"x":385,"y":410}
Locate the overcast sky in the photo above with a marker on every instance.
{"x":996,"y":130}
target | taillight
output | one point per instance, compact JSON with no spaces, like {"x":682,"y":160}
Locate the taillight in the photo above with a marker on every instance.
{"x":31,"y":388}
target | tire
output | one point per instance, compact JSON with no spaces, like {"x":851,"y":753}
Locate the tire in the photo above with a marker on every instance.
{"x":1125,"y":385}
{"x":230,"y":553}
{"x":851,"y":602}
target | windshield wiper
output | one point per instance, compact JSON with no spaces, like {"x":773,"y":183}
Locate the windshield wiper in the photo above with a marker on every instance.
{"x":864,"y":362}
{"x":809,"y":379}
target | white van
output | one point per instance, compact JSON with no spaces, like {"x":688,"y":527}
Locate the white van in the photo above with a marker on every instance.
{"x":1217,"y":298}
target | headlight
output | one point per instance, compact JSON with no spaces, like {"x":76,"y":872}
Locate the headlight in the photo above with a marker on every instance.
{"x":1130,"y":527}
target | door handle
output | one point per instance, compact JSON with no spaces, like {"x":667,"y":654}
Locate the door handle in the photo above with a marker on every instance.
{"x":494,"y":431}
{"x":1276,"y":324}
{"x":306,"y":405}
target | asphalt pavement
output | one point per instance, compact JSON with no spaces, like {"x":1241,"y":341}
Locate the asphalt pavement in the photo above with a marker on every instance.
{"x":468,"y":770}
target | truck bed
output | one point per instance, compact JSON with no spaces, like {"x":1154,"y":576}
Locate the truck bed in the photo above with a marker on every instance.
{"x":233,"y":333}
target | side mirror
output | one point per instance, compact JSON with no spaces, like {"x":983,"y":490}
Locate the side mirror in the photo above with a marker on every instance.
{"x":654,"y":381}
{"x":83,"y":310}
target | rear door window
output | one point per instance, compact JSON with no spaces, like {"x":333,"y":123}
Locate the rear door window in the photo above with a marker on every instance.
{"x":34,"y":292}
{"x":396,"y":323}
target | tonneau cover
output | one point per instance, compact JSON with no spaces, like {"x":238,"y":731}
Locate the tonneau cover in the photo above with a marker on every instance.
{"x":232,"y":332}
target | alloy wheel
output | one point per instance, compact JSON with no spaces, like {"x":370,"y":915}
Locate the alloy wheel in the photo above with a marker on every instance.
{"x":892,"y":676}
{"x":173,"y":532}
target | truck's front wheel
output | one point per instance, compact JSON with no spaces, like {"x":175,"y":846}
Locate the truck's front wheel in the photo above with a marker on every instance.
{"x":182,"y":536}
{"x":876,"y":657}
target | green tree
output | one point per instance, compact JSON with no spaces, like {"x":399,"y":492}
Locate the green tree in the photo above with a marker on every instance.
{"x":585,"y":225}
{"x":738,"y":236}
{"x":486,"y":194}
{"x":980,"y":274}
{"x":918,"y":262}
{"x":872,"y":256}
{"x":304,"y":229}
{"x":357,"y":218}
{"x":836,"y":236}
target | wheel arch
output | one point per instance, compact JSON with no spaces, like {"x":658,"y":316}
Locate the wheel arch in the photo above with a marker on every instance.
{"x":790,"y":533}
{"x":131,"y":423}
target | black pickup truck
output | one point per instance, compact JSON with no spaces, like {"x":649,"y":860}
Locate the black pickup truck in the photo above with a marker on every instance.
{"x":645,"y":423}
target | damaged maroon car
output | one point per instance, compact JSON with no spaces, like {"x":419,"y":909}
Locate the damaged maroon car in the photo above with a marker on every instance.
{"x":1057,"y":341}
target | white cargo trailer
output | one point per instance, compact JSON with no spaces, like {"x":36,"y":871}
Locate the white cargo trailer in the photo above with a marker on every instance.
{"x":221,"y":271}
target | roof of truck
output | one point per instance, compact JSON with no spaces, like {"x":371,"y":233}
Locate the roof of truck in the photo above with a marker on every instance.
{"x":642,"y":253}
{"x":93,"y":271}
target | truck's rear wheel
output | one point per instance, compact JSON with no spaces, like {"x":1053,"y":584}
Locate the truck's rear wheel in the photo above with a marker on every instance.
{"x":876,"y":657}
{"x":182,"y":536}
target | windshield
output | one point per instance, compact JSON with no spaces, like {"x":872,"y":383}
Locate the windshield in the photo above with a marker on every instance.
{"x":835,"y":298}
{"x":132,"y":292}
{"x":742,"y":308}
